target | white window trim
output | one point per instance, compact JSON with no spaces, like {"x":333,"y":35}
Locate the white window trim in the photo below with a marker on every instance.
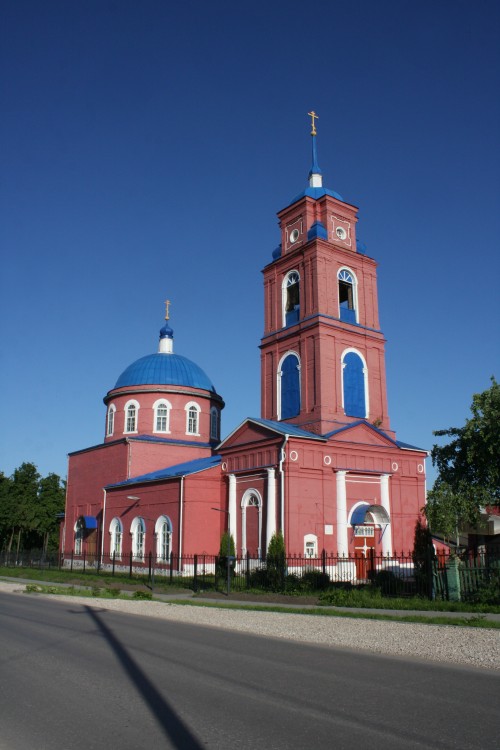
{"x":365,"y":378}
{"x":159,"y":542}
{"x":278,"y":381}
{"x":354,"y":290}
{"x":192,"y":405}
{"x":134,"y":526}
{"x":111,"y":410}
{"x":78,"y":538}
{"x":112,"y":533}
{"x":135,"y":403}
{"x":156,"y":406}
{"x":284,"y":287}
{"x":244,"y":504}
{"x":311,"y":538}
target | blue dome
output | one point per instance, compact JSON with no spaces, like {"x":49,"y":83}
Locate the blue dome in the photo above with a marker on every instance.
{"x":165,"y":369}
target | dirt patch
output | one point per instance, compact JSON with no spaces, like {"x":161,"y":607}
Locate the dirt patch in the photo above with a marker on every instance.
{"x":242,"y":596}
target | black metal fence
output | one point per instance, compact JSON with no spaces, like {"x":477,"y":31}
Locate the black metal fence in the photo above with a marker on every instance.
{"x":434,"y":576}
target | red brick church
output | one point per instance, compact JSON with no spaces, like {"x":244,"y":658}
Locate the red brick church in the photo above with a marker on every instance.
{"x":321,"y":464}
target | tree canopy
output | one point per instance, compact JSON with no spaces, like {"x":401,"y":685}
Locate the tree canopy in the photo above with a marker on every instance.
{"x":29,"y":504}
{"x":468,"y":466}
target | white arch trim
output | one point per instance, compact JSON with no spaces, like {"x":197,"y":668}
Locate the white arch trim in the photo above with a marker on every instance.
{"x":131,"y":402}
{"x":197,"y":407}
{"x":247,"y":495}
{"x":279,"y":375}
{"x":354,"y":289}
{"x":284,"y":287}
{"x":161,"y":402}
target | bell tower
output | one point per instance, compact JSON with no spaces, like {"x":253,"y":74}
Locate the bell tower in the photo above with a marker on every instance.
{"x":322,"y":352}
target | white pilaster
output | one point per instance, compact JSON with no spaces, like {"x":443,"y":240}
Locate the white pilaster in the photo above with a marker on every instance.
{"x":232,"y":509}
{"x":342,"y":546}
{"x":386,"y":505}
{"x":271,"y":506}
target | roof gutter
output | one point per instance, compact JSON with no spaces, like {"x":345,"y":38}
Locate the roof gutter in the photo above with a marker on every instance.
{"x":282,"y":484}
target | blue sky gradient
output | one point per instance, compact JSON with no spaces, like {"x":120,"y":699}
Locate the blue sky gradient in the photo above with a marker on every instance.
{"x":146,"y":148}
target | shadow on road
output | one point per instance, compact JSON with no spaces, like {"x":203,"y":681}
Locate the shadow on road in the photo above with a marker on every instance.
{"x":173,"y":727}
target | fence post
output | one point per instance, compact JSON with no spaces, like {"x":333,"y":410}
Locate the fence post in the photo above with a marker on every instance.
{"x":323,"y":560}
{"x":71,"y":566}
{"x":171,"y":566}
{"x":453,"y":579}
{"x":247,"y":570}
{"x":195,"y":575}
{"x":150,"y":560}
{"x":114,"y":558}
{"x":84,"y":561}
{"x":130,"y":565}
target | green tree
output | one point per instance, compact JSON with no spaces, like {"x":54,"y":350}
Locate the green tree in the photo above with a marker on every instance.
{"x":51,"y":500}
{"x":5,"y":509}
{"x":276,"y":562}
{"x":24,"y":505}
{"x":468,"y":466}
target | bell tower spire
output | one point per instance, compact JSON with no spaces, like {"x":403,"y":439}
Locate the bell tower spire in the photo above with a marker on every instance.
{"x":315,"y":177}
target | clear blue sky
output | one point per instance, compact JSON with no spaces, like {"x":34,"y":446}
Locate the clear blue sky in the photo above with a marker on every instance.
{"x":146,"y":148}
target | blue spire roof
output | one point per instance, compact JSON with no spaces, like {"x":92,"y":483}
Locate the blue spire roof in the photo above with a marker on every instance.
{"x":165,"y":369}
{"x":315,"y":166}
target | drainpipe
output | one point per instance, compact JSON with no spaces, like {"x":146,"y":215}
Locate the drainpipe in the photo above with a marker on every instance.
{"x":282,"y":478}
{"x":103,"y":526}
{"x":181,"y":502}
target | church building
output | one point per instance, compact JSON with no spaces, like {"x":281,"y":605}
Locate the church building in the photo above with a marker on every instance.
{"x":321,"y":464}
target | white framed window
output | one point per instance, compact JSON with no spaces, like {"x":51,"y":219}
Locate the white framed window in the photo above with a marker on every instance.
{"x":110,"y":424}
{"x":116,"y":534}
{"x":214,"y":423}
{"x":79,"y":532}
{"x":348,"y":295}
{"x":192,"y":418}
{"x":290,"y":295}
{"x":162,"y":415}
{"x":138,"y":531}
{"x":163,"y":531}
{"x":310,"y":545}
{"x":131,"y":416}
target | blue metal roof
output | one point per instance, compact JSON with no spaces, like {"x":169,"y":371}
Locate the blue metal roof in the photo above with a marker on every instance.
{"x":179,"y":470}
{"x":165,"y":369}
{"x":286,"y":429}
{"x":316,"y":193}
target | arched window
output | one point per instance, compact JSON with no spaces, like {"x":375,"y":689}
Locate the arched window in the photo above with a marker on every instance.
{"x":347,"y":296}
{"x":310,"y":545}
{"x":289,"y":386}
{"x":131,"y":415}
{"x":291,"y":298}
{"x":161,"y":416}
{"x":192,"y":418}
{"x":79,"y":533}
{"x":354,"y":385}
{"x":116,"y":533}
{"x":163,"y":531}
{"x":138,"y":531}
{"x":110,"y":428}
{"x":214,"y":423}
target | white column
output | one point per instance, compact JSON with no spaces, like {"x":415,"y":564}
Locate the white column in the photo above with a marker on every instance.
{"x":342,"y":547}
{"x":232,"y":509}
{"x":271,"y":507}
{"x":386,"y":505}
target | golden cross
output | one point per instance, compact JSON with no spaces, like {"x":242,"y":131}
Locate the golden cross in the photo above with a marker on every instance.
{"x":167,"y":305}
{"x":313,"y":117}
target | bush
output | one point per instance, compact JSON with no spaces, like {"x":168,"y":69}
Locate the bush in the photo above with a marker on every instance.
{"x":315,"y":580}
{"x":143,"y":595}
{"x":388,"y":583}
{"x":276,"y":563}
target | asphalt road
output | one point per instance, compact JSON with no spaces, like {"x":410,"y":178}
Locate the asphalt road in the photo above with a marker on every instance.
{"x":76,"y":677}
